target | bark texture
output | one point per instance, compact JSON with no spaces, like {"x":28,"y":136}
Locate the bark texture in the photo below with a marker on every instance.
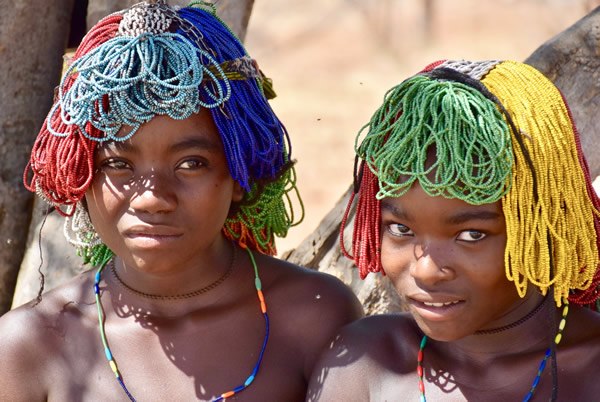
{"x":321,"y":251}
{"x":33,"y":36}
{"x":572,"y":61}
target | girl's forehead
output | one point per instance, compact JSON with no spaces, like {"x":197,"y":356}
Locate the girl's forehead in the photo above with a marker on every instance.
{"x":416,"y":203}
{"x":198,"y":131}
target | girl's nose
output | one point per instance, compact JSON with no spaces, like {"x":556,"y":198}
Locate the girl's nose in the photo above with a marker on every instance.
{"x":431,"y":266}
{"x":153,"y":194}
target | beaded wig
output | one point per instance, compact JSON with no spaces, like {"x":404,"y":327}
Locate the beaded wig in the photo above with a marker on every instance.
{"x":153,"y":59}
{"x":499,"y":130}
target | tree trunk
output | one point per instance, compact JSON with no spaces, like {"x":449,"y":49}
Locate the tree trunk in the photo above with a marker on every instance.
{"x":321,"y":251}
{"x":54,"y":256}
{"x":571,"y":60}
{"x":33,"y":36}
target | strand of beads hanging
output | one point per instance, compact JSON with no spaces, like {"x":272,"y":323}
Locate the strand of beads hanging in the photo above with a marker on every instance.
{"x":143,"y":71}
{"x":466,"y":131}
{"x":542,"y":249}
{"x":557,"y":339}
{"x":420,"y":368}
{"x":542,"y":366}
{"x":263,"y":309}
{"x":113,"y":363}
{"x":267,"y":211}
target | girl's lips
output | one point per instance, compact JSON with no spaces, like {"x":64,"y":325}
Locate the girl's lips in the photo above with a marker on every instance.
{"x":441,"y":304}
{"x":150,"y":236}
{"x":152,"y":231}
{"x":151,"y":240}
{"x":437,"y":310}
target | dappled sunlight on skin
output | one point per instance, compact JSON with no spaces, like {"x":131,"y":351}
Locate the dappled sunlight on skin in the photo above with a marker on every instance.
{"x":442,"y":379}
{"x":172,"y":334}
{"x":342,"y":357}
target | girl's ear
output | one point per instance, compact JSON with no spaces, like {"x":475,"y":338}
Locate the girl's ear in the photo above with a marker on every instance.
{"x":238,"y":192}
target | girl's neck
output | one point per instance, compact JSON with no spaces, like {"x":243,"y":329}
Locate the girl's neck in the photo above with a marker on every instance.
{"x":530,"y":327}
{"x":177,"y":291}
{"x":175,"y":276}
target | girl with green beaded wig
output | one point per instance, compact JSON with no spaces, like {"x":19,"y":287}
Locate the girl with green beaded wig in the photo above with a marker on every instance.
{"x":174,"y":175}
{"x":474,"y":199}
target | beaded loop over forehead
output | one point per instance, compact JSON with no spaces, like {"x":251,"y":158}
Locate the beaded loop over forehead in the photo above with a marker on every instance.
{"x":143,"y":71}
{"x":445,"y":135}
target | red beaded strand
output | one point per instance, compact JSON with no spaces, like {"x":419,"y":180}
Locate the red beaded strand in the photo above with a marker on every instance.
{"x":366,"y":238}
{"x":590,"y":295}
{"x":62,"y":168}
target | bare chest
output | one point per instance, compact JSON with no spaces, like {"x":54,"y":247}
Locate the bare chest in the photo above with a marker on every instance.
{"x":565,"y":384}
{"x":186,"y":362}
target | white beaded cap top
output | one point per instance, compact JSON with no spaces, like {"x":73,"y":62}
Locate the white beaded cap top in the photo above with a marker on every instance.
{"x":145,"y":18}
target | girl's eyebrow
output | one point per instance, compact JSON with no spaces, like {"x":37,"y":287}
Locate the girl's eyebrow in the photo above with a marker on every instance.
{"x":197,"y":143}
{"x":397,"y":212}
{"x":203,"y":143}
{"x":467,"y":216}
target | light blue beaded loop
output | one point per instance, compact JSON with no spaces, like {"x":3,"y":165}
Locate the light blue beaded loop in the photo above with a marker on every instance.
{"x":128,"y":80}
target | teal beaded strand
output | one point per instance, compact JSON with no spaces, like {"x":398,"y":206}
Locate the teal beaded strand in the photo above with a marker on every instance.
{"x":111,"y":361}
{"x":420,"y":368}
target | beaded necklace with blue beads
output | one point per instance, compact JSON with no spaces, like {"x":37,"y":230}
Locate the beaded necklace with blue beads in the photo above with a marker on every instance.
{"x":536,"y":380}
{"x":113,"y":364}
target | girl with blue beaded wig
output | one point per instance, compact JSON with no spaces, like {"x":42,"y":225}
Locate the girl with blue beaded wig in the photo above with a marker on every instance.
{"x":475,"y":200}
{"x":174,"y":175}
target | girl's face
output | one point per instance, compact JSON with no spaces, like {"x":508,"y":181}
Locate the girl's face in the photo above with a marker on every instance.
{"x":446,"y":258}
{"x":161,"y":198}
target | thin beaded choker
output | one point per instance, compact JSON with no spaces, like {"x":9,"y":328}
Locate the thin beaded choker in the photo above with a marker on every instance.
{"x":188,"y":295}
{"x":536,"y":380}
{"x":514,"y":324}
{"x":113,"y":364}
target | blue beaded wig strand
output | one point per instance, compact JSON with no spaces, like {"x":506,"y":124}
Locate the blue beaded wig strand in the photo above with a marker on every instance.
{"x":256,"y":142}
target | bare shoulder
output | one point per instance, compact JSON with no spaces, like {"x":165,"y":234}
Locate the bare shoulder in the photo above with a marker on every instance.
{"x":582,"y":334}
{"x":309,"y":307}
{"x":309,"y":293}
{"x":377,"y":338}
{"x":578,"y":354}
{"x":32,"y":340}
{"x":362,"y":355}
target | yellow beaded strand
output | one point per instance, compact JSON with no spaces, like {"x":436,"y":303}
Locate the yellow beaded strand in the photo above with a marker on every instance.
{"x":562,"y":214}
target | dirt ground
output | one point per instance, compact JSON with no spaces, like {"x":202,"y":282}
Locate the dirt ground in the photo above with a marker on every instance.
{"x":333,"y":60}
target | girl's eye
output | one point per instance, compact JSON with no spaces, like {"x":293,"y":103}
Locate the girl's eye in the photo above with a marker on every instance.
{"x":116,"y":164}
{"x":471,"y":236}
{"x":400,"y":230}
{"x":191,"y":164}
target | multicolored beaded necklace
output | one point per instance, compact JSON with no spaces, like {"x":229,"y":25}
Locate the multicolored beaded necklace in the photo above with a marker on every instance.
{"x":223,"y":396}
{"x":527,"y":398}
